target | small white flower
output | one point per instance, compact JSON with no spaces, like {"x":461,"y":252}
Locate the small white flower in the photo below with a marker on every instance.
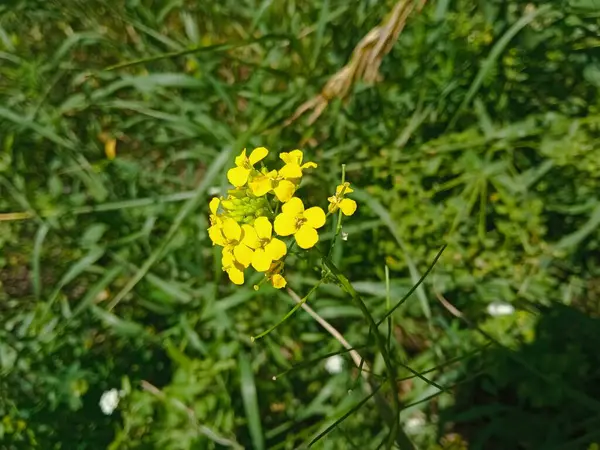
{"x":109,"y":401}
{"x":414,"y":423}
{"x":344,"y":236}
{"x":334,"y":364}
{"x":496,"y":309}
{"x":214,"y":190}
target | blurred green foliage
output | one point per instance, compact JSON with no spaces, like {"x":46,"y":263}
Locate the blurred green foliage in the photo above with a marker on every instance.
{"x":482,"y":133}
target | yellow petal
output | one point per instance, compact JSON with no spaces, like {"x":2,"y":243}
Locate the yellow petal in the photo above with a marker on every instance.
{"x":343,"y":187}
{"x":236,"y":275}
{"x":227,"y":259}
{"x":315,"y":217}
{"x":333,"y":205}
{"x":260,"y":185}
{"x":258,"y":154}
{"x":238,"y":176}
{"x":293,"y":207}
{"x":250,"y":237}
{"x":276,"y":249}
{"x":348,"y":206}
{"x":278,"y":281}
{"x":263,"y":227}
{"x":261,"y":261}
{"x":215,"y":235}
{"x":309,"y":165}
{"x":284,"y":190}
{"x":285,"y":224}
{"x":214,"y":205}
{"x":243,"y":254}
{"x":240,"y":160}
{"x":290,"y":171}
{"x":232,"y":230}
{"x":293,"y":157}
{"x":306,"y":236}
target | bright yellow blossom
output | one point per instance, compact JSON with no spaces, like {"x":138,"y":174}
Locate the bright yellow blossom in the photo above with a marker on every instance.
{"x":238,"y":176}
{"x":234,"y":269}
{"x":347,"y":205}
{"x":273,"y":181}
{"x":275,"y":277}
{"x":303,"y":224}
{"x":266,"y":247}
{"x":233,"y":238}
{"x":214,"y":231}
{"x":293,"y":164}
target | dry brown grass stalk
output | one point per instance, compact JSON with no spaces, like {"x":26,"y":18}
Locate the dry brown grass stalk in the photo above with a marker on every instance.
{"x":365,"y":60}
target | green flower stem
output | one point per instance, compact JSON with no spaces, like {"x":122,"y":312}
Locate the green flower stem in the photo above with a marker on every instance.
{"x":396,"y":433}
{"x":289,"y":314}
{"x":338,"y":226}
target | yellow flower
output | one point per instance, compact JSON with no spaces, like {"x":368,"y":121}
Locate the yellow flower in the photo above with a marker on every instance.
{"x":234,"y":269}
{"x":273,"y":181}
{"x":236,"y":241}
{"x":293,"y":164}
{"x":275,"y":277}
{"x":238,"y":176}
{"x":214,"y":231}
{"x":266,"y":247}
{"x":347,"y":205}
{"x":294,"y":219}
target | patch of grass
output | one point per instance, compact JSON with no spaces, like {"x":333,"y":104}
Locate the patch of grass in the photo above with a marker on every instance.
{"x":481,"y":135}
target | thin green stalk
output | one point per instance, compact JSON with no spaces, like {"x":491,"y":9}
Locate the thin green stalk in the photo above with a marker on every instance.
{"x":289,"y":314}
{"x":396,"y":433}
{"x":338,"y":226}
{"x":388,"y":305}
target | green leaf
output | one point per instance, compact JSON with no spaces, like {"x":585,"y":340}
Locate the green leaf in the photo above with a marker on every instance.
{"x":250,"y":400}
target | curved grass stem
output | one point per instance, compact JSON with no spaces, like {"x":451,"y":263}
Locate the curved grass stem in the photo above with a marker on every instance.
{"x":396,"y":433}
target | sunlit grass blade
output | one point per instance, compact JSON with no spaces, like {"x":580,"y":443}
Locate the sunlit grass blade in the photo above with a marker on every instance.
{"x":250,"y":400}
{"x":395,"y":431}
{"x":289,"y":314}
{"x":186,"y":209}
{"x":415,"y":286}
{"x":344,"y":416}
{"x":386,"y":218}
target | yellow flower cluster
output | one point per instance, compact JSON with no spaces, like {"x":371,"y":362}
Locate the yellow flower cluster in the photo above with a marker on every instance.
{"x":243,"y":223}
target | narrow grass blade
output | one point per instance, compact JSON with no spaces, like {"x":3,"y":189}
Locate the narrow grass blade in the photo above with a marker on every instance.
{"x":40,"y":236}
{"x":344,"y":416}
{"x":250,"y":400}
{"x":386,"y":218}
{"x":213,"y":171}
{"x":495,"y":53}
{"x":415,"y":286}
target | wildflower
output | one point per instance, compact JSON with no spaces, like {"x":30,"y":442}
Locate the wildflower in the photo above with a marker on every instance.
{"x":238,"y":176}
{"x":275,"y":277}
{"x":334,"y":364}
{"x":302,"y":223}
{"x":233,"y":268}
{"x":344,"y":236}
{"x":274,"y":182}
{"x":214,"y":231}
{"x":266,"y":247}
{"x":496,"y":309}
{"x":109,"y":401}
{"x":293,"y":164}
{"x":347,"y":205}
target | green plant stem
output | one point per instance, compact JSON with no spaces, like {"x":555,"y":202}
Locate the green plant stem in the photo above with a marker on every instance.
{"x":289,"y":314}
{"x":396,"y":433}
{"x":338,"y":225}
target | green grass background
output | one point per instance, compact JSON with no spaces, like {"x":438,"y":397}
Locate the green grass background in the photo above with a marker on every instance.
{"x":482,"y":133}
